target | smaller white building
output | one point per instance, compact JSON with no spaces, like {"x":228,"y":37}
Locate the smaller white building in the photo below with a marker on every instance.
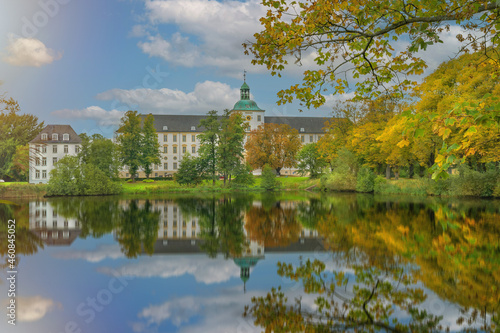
{"x":49,"y":146}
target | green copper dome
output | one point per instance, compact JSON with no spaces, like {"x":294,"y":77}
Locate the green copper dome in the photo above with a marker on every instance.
{"x":245,"y":103}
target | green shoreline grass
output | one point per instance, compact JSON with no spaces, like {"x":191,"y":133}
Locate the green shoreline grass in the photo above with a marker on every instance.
{"x":25,"y":190}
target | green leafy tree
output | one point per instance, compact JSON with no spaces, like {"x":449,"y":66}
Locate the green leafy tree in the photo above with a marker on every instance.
{"x":348,"y":36}
{"x":190,"y":170}
{"x":310,"y":161}
{"x":21,"y":163}
{"x":150,"y":145}
{"x":268,"y":179}
{"x":130,"y":141}
{"x":230,"y":147}
{"x":15,"y":130}
{"x":69,"y":177}
{"x":208,"y":143}
{"x":101,"y":152}
{"x":243,"y":176}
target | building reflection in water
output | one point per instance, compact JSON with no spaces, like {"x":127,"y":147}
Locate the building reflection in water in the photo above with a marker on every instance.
{"x":179,"y":231}
{"x":52,"y":228}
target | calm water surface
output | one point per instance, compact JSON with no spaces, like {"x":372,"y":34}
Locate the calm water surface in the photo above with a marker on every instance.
{"x":191,"y":263}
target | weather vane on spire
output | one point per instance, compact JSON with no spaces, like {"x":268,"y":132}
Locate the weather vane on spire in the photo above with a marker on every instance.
{"x":244,"y":75}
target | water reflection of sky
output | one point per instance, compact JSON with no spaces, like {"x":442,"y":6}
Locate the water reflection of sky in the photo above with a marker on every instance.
{"x":161,"y":293}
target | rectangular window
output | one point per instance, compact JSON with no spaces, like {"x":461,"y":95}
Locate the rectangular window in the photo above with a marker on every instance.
{"x":54,"y":149}
{"x":54,"y":213}
{"x":156,"y":174}
{"x":44,"y":161}
{"x":174,"y":234}
{"x":175,"y":150}
{"x":44,"y":149}
{"x":184,"y":149}
{"x":302,"y":139}
{"x":175,"y":137}
{"x":37,"y":148}
{"x":44,"y":174}
{"x":193,"y":138}
{"x":66,"y":149}
{"x":184,"y":138}
{"x":193,"y":149}
{"x":54,"y":224}
{"x":155,"y":167}
{"x":311,"y":138}
{"x":37,"y":174}
{"x":77,"y":149}
{"x":37,"y":161}
{"x":165,"y":166}
{"x":54,"y":160}
{"x":165,"y":150}
{"x":65,"y":137}
{"x":175,"y":166}
{"x":55,"y":137}
{"x":258,"y":118}
{"x":165,"y":138}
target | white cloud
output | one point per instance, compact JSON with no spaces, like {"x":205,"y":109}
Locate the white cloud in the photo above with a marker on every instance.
{"x":210,"y":33}
{"x":32,"y":308}
{"x":29,"y":52}
{"x":101,"y":116}
{"x":206,"y":96}
{"x":100,"y":253}
{"x":205,"y":271}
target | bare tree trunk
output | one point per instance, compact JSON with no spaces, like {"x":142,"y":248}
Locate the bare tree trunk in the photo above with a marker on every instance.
{"x":387,"y":172}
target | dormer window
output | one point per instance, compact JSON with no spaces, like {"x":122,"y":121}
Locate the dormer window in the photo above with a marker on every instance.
{"x":165,"y":128}
{"x":193,"y":128}
{"x":302,"y":129}
{"x":55,"y":136}
{"x":44,"y":136}
{"x":65,"y":137}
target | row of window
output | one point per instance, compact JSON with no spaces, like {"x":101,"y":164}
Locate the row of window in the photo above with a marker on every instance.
{"x":55,"y":235}
{"x":44,"y":161}
{"x":54,"y":224}
{"x":55,"y":136}
{"x":193,"y":128}
{"x":183,"y":138}
{"x":44,"y":213}
{"x":174,"y":233}
{"x":303,"y":138}
{"x":174,"y":224}
{"x":54,"y":149}
{"x":37,"y":174}
{"x":184,"y":149}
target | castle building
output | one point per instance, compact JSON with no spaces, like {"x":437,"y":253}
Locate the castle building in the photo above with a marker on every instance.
{"x":178,"y":134}
{"x":49,"y":146}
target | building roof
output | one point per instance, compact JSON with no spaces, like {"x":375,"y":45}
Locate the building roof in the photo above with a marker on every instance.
{"x":60,"y":130}
{"x":309,"y":124}
{"x":176,"y":123}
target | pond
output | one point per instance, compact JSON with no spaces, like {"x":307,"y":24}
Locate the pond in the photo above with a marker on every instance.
{"x":184,"y":263}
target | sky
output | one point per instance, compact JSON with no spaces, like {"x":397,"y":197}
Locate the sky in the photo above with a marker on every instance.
{"x":84,"y":63}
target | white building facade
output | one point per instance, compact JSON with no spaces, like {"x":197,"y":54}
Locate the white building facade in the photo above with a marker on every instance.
{"x":49,"y":146}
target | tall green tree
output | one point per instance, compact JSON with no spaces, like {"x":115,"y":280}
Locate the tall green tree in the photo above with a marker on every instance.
{"x":15,"y":130}
{"x":150,"y":145}
{"x":130,"y":141}
{"x":209,"y":140}
{"x":230,"y":148}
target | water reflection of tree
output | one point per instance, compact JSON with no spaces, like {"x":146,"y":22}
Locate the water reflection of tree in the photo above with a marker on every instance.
{"x":274,"y":223}
{"x":137,"y":228}
{"x":220,"y":220}
{"x":453,"y":248}
{"x":97,"y":216}
{"x":27,"y":243}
